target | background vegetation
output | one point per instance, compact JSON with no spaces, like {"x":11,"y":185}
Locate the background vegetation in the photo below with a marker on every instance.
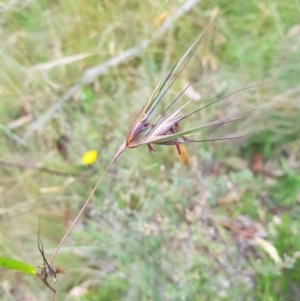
{"x":219,"y":223}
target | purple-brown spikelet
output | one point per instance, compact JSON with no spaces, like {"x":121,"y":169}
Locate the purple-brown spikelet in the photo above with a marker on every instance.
{"x":166,"y":130}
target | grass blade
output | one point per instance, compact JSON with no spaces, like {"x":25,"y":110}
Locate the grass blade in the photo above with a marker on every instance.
{"x":12,"y":264}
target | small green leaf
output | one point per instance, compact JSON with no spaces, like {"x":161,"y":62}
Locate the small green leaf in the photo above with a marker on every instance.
{"x":12,"y":264}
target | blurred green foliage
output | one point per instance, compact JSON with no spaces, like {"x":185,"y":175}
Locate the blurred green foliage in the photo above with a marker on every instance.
{"x":158,"y":228}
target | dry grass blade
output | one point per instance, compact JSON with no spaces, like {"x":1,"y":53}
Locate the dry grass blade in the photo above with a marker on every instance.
{"x":59,"y":62}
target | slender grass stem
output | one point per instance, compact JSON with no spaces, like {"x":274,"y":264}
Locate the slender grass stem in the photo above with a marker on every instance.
{"x":118,"y":153}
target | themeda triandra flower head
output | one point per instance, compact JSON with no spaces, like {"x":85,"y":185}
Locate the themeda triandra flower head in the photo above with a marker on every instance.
{"x":166,"y":130}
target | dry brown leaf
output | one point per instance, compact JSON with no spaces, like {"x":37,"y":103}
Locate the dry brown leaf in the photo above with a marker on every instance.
{"x":19,"y":122}
{"x":236,"y":230}
{"x":257,"y":165}
{"x":62,"y":146}
{"x":245,"y":227}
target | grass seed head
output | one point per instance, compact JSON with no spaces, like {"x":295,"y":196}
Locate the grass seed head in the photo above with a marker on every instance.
{"x":164,"y":130}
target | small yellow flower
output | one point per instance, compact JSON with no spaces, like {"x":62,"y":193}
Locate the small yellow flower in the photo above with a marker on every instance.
{"x":89,"y":157}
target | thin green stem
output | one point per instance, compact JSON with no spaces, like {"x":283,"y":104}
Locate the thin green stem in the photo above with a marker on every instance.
{"x":121,"y":149}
